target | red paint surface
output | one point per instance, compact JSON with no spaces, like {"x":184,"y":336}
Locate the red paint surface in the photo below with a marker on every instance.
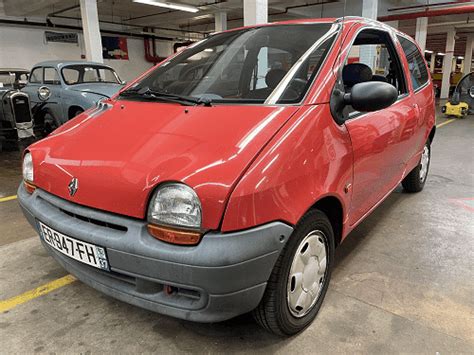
{"x":249,"y":164}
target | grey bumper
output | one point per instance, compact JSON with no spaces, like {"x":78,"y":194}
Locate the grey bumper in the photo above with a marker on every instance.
{"x":222,"y":277}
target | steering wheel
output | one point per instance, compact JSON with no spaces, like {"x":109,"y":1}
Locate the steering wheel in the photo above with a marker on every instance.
{"x":298,"y":85}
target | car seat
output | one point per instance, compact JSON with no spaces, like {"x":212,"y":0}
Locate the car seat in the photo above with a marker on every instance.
{"x":272,"y":79}
{"x":355,"y":73}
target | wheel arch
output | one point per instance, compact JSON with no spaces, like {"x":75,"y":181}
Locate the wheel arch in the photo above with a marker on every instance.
{"x":334,"y":210}
{"x":432,"y":134}
{"x":72,"y":109}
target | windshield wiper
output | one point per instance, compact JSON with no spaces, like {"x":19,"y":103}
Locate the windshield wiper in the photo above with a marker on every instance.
{"x":160,"y":95}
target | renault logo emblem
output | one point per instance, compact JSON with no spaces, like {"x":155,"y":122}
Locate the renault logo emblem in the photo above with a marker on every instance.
{"x":73,"y":186}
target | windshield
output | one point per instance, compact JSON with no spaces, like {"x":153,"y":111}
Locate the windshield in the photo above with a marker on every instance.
{"x":82,"y":74}
{"x":12,"y":79}
{"x":245,"y":65}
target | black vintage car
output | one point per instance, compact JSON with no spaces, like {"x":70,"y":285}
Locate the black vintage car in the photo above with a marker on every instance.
{"x":18,"y":122}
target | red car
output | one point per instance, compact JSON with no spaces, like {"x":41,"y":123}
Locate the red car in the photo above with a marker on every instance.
{"x":221,"y":181}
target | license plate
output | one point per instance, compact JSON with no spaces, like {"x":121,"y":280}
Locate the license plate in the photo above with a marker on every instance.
{"x":86,"y":253}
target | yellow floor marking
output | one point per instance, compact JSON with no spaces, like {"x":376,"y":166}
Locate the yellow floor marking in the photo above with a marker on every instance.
{"x":8,"y":198}
{"x":445,"y":122}
{"x":35,"y":293}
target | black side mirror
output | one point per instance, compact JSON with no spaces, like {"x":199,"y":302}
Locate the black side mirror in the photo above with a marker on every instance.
{"x":371,"y":96}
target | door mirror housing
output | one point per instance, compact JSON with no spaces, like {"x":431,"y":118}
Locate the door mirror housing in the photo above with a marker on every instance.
{"x":371,"y":96}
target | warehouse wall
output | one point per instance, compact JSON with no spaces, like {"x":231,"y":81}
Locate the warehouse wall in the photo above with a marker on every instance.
{"x":23,"y":47}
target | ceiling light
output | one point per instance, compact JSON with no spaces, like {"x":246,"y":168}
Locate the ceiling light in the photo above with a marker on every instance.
{"x":460,"y":57}
{"x":428,"y":51}
{"x":169,"y":5}
{"x":441,"y":54}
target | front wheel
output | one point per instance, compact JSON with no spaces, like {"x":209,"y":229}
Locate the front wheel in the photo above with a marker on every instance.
{"x":416,"y":179}
{"x":76,"y":112}
{"x":300,"y":278}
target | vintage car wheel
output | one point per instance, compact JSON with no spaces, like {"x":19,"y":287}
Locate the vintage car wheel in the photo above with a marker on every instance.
{"x":50,"y":123}
{"x":300,"y":278}
{"x":416,"y":179}
{"x":76,"y":112}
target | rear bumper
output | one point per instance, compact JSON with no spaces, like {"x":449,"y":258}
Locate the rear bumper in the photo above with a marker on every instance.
{"x":222,"y":277}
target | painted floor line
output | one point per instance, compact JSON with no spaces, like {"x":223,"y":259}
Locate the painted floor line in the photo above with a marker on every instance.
{"x":8,"y":198}
{"x":10,"y":303}
{"x":445,"y":122}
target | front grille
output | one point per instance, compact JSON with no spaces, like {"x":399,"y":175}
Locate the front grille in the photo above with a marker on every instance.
{"x":95,"y":221}
{"x":21,"y":108}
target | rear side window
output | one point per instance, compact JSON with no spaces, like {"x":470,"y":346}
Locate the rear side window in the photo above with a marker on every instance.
{"x":418,"y":71}
{"x":51,"y":76}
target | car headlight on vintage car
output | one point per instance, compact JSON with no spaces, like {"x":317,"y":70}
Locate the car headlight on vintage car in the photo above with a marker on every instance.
{"x":44,"y":93}
{"x":174,"y":214}
{"x":28,"y":172}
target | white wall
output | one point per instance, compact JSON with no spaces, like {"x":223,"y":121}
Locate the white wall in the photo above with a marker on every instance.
{"x":23,"y":47}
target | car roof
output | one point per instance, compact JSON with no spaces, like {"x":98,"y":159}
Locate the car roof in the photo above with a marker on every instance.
{"x":14,"y":70}
{"x":62,"y":63}
{"x":346,"y":20}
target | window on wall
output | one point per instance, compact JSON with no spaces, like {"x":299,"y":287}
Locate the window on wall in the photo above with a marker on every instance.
{"x":418,"y":71}
{"x":36,"y":76}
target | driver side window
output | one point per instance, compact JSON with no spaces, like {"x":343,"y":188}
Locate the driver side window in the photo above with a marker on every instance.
{"x":372,"y":57}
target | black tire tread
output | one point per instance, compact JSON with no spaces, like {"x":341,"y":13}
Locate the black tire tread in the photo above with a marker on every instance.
{"x":266,"y":313}
{"x":411,"y":183}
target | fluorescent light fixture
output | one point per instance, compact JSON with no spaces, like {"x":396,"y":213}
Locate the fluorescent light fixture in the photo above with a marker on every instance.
{"x":460,"y":57}
{"x":208,"y":50}
{"x":169,"y":5}
{"x":441,"y":54}
{"x":428,"y":51}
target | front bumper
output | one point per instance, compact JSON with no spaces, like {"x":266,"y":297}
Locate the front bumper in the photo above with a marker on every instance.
{"x":223,"y":276}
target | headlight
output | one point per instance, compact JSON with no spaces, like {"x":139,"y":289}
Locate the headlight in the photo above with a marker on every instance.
{"x":44,"y":93}
{"x":177,"y":205}
{"x":28,"y":168}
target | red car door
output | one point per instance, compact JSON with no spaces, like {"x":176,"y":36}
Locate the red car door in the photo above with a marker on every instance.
{"x":377,"y":138}
{"x":414,"y":133}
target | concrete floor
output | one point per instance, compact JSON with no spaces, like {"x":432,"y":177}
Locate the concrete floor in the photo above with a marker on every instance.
{"x":403,"y":282}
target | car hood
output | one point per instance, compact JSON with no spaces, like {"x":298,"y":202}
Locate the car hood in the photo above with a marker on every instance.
{"x":122,"y":154}
{"x":100,"y":89}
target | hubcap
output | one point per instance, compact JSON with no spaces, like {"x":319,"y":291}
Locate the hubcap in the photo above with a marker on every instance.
{"x":425,"y":160}
{"x":307,"y":274}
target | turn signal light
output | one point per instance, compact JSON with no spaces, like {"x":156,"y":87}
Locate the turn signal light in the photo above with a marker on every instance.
{"x":174,"y":236}
{"x":29,"y":187}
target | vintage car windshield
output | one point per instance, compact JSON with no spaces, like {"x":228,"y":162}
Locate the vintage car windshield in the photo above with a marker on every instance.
{"x":88,"y":74}
{"x":246,"y":65}
{"x":11,"y":79}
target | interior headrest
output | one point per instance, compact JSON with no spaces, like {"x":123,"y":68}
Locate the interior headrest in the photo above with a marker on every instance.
{"x":356,"y":73}
{"x":273,"y":77}
{"x":377,"y":77}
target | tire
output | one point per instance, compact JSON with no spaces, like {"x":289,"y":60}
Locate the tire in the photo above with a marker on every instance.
{"x":9,"y":146}
{"x":416,"y":179}
{"x":277,"y":312}
{"x":76,"y":112}
{"x":50,"y":123}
